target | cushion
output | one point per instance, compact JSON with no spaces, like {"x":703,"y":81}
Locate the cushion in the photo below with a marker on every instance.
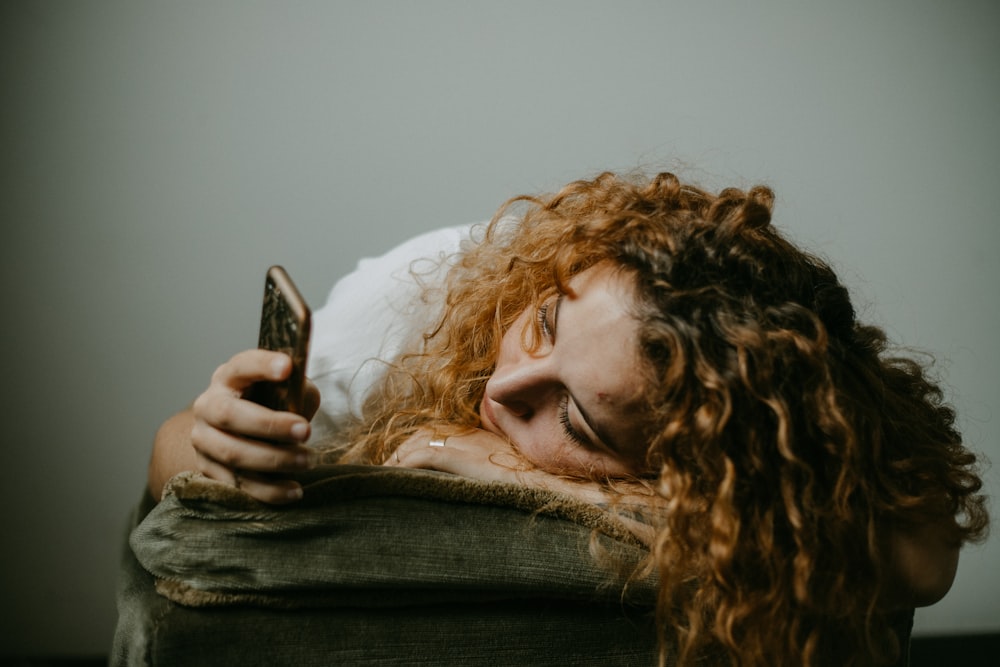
{"x":426,"y":536}
{"x":385,"y":566}
{"x":382,"y":565}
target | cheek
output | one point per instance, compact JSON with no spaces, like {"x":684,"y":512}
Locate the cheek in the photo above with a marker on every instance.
{"x":553,"y":454}
{"x":543,"y":453}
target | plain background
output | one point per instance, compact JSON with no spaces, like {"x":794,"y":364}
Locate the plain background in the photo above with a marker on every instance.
{"x":157,"y":156}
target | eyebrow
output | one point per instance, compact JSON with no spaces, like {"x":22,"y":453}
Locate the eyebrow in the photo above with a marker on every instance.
{"x":602,"y":435}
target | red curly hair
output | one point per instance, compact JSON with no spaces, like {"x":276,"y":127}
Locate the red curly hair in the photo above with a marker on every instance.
{"x":783,"y":435}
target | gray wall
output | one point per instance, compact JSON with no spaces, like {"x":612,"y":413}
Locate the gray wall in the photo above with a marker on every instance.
{"x":156,"y":156}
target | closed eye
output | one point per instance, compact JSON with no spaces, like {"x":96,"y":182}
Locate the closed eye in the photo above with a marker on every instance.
{"x":567,"y":426}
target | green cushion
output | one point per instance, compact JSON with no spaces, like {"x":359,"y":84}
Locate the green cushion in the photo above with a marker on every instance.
{"x":382,"y":566}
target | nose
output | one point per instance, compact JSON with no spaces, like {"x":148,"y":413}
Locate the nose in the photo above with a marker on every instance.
{"x":521,"y":387}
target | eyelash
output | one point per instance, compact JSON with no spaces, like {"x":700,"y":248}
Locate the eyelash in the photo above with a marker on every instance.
{"x":543,"y":320}
{"x":567,"y":426}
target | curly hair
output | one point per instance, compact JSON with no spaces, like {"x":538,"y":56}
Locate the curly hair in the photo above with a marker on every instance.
{"x":783,"y":434}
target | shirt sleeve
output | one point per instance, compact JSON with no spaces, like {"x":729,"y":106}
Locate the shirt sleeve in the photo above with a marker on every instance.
{"x":371,"y":315}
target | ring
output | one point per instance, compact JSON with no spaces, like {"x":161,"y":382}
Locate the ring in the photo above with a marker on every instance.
{"x":437,"y":443}
{"x":395,"y":455}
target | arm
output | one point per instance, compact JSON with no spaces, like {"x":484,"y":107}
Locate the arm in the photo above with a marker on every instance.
{"x":921,"y":559}
{"x":233,"y":440}
{"x":482,"y":455}
{"x":172,"y":451}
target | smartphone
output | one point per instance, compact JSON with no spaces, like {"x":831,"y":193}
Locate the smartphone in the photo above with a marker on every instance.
{"x":285,"y":325}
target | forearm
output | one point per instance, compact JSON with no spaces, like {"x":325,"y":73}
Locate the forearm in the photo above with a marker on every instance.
{"x":172,"y":451}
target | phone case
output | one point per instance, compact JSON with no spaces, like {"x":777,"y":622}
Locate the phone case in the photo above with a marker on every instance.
{"x":285,"y":324}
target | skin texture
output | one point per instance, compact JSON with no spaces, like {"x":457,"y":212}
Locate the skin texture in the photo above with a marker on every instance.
{"x":586,"y":362}
{"x":233,"y":440}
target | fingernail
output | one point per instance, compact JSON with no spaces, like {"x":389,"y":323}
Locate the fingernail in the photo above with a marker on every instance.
{"x":278,"y":367}
{"x":306,"y":461}
{"x":300,"y":431}
{"x":295,"y":494}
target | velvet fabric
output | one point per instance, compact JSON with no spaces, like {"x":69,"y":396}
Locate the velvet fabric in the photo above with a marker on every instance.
{"x":383,"y":566}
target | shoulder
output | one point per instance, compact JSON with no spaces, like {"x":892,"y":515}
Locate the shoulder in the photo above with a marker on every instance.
{"x":374,"y":312}
{"x":438,"y":244}
{"x":386,"y":286}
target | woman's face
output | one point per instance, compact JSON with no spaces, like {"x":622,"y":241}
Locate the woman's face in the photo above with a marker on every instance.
{"x":572,"y":404}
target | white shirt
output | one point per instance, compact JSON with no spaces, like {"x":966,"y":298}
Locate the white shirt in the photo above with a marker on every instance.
{"x":371,"y":315}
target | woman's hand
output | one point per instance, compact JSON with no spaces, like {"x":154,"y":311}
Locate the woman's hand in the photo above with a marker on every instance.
{"x":236,"y":441}
{"x":483,"y":455}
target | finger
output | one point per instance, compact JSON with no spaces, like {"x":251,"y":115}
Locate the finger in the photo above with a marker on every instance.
{"x":215,"y":470}
{"x":393,"y":459}
{"x":232,"y":414}
{"x":234,"y":451}
{"x":310,"y":399}
{"x":419,"y":458}
{"x":272,"y":490}
{"x":411,"y":452}
{"x":453,"y":454}
{"x":475,"y":464}
{"x":275,"y":491}
{"x":250,"y":366}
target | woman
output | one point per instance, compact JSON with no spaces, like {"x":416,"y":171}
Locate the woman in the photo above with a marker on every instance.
{"x":648,"y":340}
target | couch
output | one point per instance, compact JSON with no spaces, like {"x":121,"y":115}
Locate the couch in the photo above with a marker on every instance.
{"x":383,"y":566}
